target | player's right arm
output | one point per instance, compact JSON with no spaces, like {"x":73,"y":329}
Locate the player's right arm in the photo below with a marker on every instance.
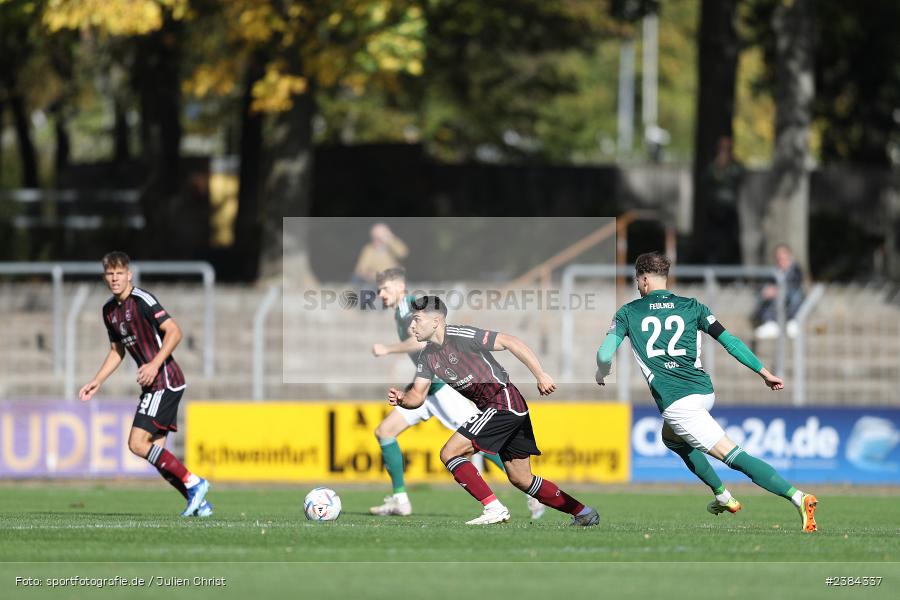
{"x":736,"y":347}
{"x":618,"y":329}
{"x":410,"y":344}
{"x":110,"y":364}
{"x":414,"y":397}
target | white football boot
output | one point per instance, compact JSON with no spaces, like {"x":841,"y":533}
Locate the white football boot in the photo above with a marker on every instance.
{"x":494,"y":514}
{"x":536,"y":508}
{"x":392,"y":506}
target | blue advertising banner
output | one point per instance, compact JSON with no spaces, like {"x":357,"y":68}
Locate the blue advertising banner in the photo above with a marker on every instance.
{"x":68,"y":439}
{"x":806,"y":445}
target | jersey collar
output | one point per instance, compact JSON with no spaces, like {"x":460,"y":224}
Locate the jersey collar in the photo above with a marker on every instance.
{"x":659,"y":292}
{"x":120,"y":303}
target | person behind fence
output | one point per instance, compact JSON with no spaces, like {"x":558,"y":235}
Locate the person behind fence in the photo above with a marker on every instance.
{"x":384,"y":251}
{"x":765,"y":315}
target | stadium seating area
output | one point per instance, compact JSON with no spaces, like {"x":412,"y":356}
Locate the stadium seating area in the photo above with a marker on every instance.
{"x":853,"y":340}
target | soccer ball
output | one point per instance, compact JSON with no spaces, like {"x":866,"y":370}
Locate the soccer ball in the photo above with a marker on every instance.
{"x":322,"y":504}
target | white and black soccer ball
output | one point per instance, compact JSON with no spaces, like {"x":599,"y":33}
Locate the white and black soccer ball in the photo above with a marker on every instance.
{"x":322,"y":504}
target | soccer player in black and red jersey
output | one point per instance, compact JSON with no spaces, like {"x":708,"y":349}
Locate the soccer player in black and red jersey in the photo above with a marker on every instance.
{"x":136,"y":322}
{"x":461,"y":357}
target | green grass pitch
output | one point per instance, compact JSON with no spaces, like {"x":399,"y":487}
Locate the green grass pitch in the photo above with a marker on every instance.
{"x":658,"y":541}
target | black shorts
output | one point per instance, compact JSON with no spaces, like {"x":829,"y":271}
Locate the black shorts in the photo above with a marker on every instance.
{"x":157,"y":412}
{"x":501,"y":432}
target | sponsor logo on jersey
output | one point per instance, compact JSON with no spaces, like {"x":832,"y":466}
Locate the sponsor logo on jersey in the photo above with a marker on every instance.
{"x":451,"y":374}
{"x":462,"y":383}
{"x":123,"y":329}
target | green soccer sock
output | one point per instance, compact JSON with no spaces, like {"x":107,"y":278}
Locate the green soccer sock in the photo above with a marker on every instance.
{"x":393,"y":462}
{"x":760,"y":472}
{"x":697,"y":462}
{"x":494,"y":458}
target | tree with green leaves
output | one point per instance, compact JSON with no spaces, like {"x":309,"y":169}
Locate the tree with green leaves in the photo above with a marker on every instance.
{"x":18,"y":43}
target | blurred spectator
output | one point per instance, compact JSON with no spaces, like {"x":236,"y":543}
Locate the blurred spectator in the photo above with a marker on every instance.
{"x":384,"y":251}
{"x":722,"y":184}
{"x":765,"y":316}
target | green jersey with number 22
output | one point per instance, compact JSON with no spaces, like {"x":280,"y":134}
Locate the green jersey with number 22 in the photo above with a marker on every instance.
{"x":664,"y":330}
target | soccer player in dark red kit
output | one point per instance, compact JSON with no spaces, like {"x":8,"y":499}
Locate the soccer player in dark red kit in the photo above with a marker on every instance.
{"x":136,"y":322}
{"x":461,"y":357}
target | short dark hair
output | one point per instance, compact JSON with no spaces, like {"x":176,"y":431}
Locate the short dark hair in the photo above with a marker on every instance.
{"x":116,"y":258}
{"x":652,"y":263}
{"x":391,"y":274}
{"x":429,"y":304}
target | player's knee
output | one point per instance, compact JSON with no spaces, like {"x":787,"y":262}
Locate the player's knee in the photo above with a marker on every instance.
{"x":676,"y":446}
{"x":139,"y":447}
{"x":139,"y":444}
{"x":520,"y":483}
{"x":450,"y":451}
{"x":383,"y":431}
{"x":520,"y":480}
{"x":447,"y":453}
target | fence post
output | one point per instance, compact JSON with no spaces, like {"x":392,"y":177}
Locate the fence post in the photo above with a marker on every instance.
{"x":57,"y":274}
{"x":800,"y":343}
{"x":259,"y":342}
{"x":709,"y":280}
{"x":71,"y":333}
{"x":209,"y":320}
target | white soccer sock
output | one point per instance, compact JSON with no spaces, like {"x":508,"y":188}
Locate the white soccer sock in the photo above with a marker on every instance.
{"x":797,"y":498}
{"x":401,"y":497}
{"x":723,"y":498}
{"x":192,"y":480}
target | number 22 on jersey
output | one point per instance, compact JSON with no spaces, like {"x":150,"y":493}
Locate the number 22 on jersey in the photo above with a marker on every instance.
{"x":672,"y":322}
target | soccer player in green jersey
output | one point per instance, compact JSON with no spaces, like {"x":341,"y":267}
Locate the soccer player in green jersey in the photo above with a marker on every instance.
{"x":665,"y":338}
{"x":442,"y":401}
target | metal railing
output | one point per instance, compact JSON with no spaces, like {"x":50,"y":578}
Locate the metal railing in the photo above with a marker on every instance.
{"x":55,"y":272}
{"x":710,"y":274}
{"x":74,"y":209}
{"x":811,"y":301}
{"x":58,"y":271}
{"x":259,"y":342}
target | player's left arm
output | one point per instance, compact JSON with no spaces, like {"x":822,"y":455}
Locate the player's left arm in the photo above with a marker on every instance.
{"x":737,"y":348}
{"x":527,"y":357}
{"x":171,"y":333}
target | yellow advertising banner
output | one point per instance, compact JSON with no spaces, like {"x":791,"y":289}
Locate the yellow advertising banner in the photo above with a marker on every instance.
{"x":335,"y":441}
